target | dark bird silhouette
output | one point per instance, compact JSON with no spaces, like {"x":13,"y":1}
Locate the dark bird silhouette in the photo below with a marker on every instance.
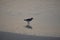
{"x":28,"y":20}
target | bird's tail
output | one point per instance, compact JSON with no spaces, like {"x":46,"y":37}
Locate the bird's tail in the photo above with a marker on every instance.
{"x":24,"y":19}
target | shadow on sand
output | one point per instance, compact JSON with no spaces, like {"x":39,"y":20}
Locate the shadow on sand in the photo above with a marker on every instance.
{"x":15,"y":36}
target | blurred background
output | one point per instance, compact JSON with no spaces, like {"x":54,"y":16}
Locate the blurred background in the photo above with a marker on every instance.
{"x":46,"y":14}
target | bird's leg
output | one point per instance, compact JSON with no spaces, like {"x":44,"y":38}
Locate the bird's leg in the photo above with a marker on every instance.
{"x":28,"y":23}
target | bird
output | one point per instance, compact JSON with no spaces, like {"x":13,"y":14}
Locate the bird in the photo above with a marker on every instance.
{"x":28,"y":20}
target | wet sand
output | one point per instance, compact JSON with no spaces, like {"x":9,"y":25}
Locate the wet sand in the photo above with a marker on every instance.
{"x":46,"y":14}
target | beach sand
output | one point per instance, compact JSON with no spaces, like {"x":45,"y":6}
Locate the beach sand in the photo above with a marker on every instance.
{"x":46,"y":14}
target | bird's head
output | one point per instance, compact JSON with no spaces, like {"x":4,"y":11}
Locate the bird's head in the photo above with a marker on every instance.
{"x":31,"y":17}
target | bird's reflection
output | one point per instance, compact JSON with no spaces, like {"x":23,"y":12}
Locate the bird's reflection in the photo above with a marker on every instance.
{"x":28,"y":26}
